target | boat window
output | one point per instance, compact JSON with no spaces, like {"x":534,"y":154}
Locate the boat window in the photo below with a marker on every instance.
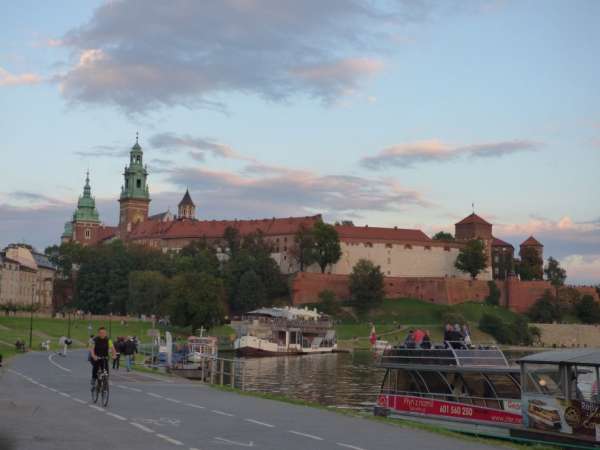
{"x":478,"y":387}
{"x":407,"y":382}
{"x":435,"y":383}
{"x":543,"y":379}
{"x":584,"y":383}
{"x":504,"y":385}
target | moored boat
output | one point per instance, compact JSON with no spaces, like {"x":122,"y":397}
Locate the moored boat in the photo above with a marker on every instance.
{"x":281,"y":331}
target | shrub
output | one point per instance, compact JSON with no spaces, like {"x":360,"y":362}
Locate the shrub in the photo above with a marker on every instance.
{"x":328,"y":303}
{"x":588,"y":310}
{"x":546,"y":309}
{"x":453,"y":318}
{"x":493,"y":297}
{"x":515,"y":333}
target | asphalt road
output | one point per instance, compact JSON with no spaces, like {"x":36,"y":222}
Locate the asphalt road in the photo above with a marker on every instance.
{"x":45,"y":404}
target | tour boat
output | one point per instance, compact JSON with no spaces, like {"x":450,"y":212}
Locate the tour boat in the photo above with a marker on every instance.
{"x":281,"y":331}
{"x":549,"y":397}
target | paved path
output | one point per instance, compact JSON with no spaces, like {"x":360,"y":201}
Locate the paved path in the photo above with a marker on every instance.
{"x":45,"y":404}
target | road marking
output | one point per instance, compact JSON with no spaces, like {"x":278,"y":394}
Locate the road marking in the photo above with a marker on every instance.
{"x":152,"y":394}
{"x":116,"y":416}
{"x":96,"y":407}
{"x":241,"y":444}
{"x":78,"y":400}
{"x":168,"y":439}
{"x":64,"y":394}
{"x":141,"y":427}
{"x":134,"y":389}
{"x":53,"y":390}
{"x":57,"y":365}
{"x":221,"y":413}
{"x":172,"y":400}
{"x":260,"y":423}
{"x":44,"y":386}
{"x":191,"y":405}
{"x":353,"y":447}
{"x":310,"y":436}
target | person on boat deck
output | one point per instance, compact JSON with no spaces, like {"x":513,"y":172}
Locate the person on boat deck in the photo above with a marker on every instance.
{"x":418,"y":336}
{"x":447,"y":332}
{"x":426,"y":341}
{"x":409,"y":342}
{"x":466,"y":334}
{"x":453,"y":336}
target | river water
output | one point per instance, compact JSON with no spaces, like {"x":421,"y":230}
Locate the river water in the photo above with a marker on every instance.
{"x":343,"y":380}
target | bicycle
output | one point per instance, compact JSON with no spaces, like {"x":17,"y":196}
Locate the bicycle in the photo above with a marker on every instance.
{"x":101,"y":388}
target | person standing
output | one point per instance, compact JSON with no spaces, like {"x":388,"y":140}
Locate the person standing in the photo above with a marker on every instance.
{"x":128,"y":351}
{"x":119,"y":349}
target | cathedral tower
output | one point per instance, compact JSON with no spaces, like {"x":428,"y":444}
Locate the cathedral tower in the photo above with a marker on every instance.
{"x":135,"y":196}
{"x":86,"y":220}
{"x":187,"y":209}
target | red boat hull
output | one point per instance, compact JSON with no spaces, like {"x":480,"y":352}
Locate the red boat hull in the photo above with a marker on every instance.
{"x":451,"y":410}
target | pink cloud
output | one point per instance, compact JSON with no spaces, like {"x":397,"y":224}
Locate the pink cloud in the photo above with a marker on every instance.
{"x":9,"y":79}
{"x":582,"y":268}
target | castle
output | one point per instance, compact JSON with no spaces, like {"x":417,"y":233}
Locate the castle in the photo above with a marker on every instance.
{"x":399,"y":252}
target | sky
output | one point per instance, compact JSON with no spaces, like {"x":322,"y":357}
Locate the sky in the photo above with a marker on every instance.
{"x":386,"y":113}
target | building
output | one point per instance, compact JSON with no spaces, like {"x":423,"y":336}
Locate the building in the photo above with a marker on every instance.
{"x":399,"y":252}
{"x":26,"y":277}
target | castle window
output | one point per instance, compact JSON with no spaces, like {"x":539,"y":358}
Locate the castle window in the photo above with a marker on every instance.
{"x":446,"y":248}
{"x":368,"y":244}
{"x":139,"y":183}
{"x":408,"y":246}
{"x":388,"y":245}
{"x":428,"y":247}
{"x":389,"y":260}
{"x":88,"y":233}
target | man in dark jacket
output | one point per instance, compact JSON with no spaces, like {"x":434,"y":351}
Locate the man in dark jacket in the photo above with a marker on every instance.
{"x":129,"y":350}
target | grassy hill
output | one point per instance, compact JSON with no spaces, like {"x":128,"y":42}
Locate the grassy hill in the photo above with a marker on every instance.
{"x":395,"y":317}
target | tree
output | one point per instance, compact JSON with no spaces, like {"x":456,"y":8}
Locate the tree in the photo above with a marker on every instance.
{"x":555,"y":274}
{"x":148,"y":292}
{"x":251,"y":292}
{"x":530,"y":267}
{"x":588,"y":310}
{"x":328,"y":303}
{"x":493,"y":297}
{"x":366,"y":286}
{"x":442,"y":236}
{"x":546,"y":309}
{"x":471,"y":258}
{"x":232,"y":240}
{"x":196,"y":300}
{"x":303,"y":250}
{"x":515,"y":333}
{"x":197,"y":259}
{"x":327,"y":248}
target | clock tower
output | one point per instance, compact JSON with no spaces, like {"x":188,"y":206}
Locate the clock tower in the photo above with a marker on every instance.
{"x":135,"y":196}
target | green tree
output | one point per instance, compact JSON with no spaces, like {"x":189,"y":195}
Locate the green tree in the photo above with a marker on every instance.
{"x":327,"y":248}
{"x":546,"y":309}
{"x":196,"y":300}
{"x":443,"y":236}
{"x":366,"y":286}
{"x":530,"y":267}
{"x":251,"y":292}
{"x":148,"y":292}
{"x":328,"y":303}
{"x":232,"y":239}
{"x":472,"y":259}
{"x":555,"y":274}
{"x":304,"y":246}
{"x":588,"y":310}
{"x":515,"y":333}
{"x":197,"y":259}
{"x":493,"y":297}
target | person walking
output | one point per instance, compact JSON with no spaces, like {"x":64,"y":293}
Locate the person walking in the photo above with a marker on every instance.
{"x":128,"y":351}
{"x":119,"y":349}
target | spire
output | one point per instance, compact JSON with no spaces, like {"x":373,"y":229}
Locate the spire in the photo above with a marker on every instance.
{"x":136,"y":146}
{"x":87,"y":190}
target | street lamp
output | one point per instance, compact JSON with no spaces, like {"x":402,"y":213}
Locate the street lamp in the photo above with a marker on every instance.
{"x":31,"y":316}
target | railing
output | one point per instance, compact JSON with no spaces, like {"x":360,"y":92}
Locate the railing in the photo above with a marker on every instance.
{"x":483,"y":355}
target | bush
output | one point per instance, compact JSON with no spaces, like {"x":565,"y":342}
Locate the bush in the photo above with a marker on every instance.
{"x":328,"y":303}
{"x":546,"y":309}
{"x":493,"y":297}
{"x":453,"y":318}
{"x":588,"y":310}
{"x":516,"y":333}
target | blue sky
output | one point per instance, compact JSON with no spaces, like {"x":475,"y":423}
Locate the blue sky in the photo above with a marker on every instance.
{"x":387,"y":113}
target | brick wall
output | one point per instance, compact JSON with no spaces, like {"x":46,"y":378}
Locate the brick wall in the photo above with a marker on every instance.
{"x":514,"y":294}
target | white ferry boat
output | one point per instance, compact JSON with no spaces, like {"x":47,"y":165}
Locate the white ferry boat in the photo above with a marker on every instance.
{"x":282,"y":331}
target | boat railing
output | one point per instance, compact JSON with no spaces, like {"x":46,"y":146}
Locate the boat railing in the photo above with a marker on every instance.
{"x":451,"y":353}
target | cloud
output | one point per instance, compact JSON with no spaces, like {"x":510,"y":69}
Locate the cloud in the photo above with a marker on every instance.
{"x":104,"y":151}
{"x":409,"y":154}
{"x":582,"y":269}
{"x":146,"y":54}
{"x":9,"y":79}
{"x":173,"y":142}
{"x":34,"y":198}
{"x":277,"y":190}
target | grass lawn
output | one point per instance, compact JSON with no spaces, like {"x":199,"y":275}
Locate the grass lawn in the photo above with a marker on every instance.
{"x":13,"y":328}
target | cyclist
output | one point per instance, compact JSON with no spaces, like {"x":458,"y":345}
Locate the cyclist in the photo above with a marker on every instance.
{"x":102,"y":345}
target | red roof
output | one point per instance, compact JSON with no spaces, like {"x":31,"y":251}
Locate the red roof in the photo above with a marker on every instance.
{"x":367,"y":233}
{"x":473,"y":218}
{"x":216,"y":228}
{"x":106,"y":233}
{"x":531,"y":242}
{"x":500,"y":243}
